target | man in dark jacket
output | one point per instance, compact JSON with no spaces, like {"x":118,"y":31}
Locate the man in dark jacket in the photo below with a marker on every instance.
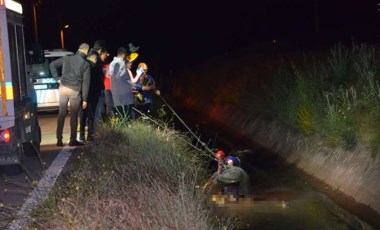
{"x":100,"y":114}
{"x":74,"y":86}
{"x":96,"y":85}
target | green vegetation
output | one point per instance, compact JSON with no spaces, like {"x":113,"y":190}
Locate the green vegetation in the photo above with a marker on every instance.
{"x":328,"y":97}
{"x":333,"y":95}
{"x":134,"y":176}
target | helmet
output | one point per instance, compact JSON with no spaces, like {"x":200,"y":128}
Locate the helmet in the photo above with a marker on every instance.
{"x":234,"y":161}
{"x":220,"y":155}
{"x":132,"y":57}
{"x":143,"y":66}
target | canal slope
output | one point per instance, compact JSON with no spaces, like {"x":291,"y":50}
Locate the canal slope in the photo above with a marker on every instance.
{"x":238,"y":131}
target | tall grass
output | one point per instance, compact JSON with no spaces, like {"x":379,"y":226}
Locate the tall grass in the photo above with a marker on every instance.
{"x":340,"y":125}
{"x":339,"y":64}
{"x":292,"y":98}
{"x":134,"y":176}
{"x":332,"y":97}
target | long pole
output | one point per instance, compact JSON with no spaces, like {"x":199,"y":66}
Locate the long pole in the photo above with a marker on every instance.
{"x":35,"y":22}
{"x":62,"y":40}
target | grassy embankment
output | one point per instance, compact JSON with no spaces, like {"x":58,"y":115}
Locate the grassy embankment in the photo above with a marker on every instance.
{"x":134,"y":176}
{"x":332,"y":95}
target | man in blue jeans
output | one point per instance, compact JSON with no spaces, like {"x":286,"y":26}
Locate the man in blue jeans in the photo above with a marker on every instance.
{"x":73,"y":87}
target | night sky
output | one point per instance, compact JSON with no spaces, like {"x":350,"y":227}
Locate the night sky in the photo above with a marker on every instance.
{"x":180,"y":32}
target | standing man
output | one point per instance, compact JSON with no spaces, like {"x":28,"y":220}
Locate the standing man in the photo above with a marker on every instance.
{"x":96,"y":85}
{"x":107,"y":91}
{"x":121,"y":86}
{"x":100,"y":47}
{"x":74,"y":85}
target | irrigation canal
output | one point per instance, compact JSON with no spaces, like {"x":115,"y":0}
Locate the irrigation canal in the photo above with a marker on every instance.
{"x":282,"y":196}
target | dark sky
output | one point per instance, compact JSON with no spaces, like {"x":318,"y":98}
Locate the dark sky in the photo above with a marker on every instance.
{"x":182,"y":31}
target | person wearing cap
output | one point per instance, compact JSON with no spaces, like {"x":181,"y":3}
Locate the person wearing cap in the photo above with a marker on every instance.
{"x":146,"y":87}
{"x":100,"y":112}
{"x":73,"y":88}
{"x":233,"y":180}
{"x":129,"y":62}
{"x":220,"y":157}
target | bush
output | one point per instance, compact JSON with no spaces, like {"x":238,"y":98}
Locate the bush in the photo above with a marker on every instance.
{"x":341,"y":125}
{"x":327,"y":97}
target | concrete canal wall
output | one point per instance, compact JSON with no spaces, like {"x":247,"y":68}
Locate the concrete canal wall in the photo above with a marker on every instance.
{"x":354,"y":173}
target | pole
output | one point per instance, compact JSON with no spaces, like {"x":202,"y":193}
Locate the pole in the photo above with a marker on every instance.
{"x":62,"y":40}
{"x":35,"y":22}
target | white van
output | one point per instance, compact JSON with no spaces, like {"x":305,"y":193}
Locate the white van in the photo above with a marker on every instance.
{"x":45,"y":85}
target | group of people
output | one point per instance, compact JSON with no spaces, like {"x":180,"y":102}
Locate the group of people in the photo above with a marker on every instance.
{"x":95,"y":90}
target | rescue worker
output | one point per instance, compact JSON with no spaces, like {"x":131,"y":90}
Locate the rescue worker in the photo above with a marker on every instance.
{"x":232,"y":178}
{"x":220,"y":157}
{"x":146,"y":87}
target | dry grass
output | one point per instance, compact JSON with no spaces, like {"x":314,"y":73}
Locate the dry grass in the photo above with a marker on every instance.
{"x":132,"y":177}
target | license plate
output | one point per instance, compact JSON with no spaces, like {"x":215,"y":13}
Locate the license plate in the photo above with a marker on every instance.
{"x":40,"y":86}
{"x":45,"y":80}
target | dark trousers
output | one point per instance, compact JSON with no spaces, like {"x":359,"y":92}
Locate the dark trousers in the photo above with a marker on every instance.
{"x":108,"y":101}
{"x":231,"y":189}
{"x":67,"y":95}
{"x":88,"y":117}
{"x":145,"y":109}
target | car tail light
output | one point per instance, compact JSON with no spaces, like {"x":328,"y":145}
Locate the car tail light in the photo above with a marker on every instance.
{"x":6,"y":136}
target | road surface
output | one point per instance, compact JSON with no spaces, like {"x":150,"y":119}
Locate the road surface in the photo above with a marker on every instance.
{"x":16,"y":189}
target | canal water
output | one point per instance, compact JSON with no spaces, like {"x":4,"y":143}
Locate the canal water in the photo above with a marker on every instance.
{"x":281,"y":197}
